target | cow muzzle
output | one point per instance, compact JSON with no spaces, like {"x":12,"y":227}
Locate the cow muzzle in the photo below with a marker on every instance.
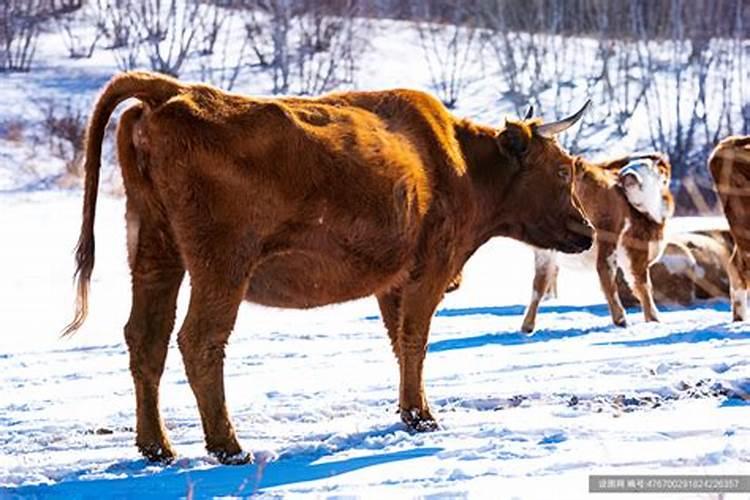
{"x":580,"y":236}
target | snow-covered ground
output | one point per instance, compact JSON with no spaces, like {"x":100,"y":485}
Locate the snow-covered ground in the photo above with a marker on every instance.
{"x":313,"y":393}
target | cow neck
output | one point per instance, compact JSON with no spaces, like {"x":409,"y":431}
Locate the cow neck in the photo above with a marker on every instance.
{"x":589,"y":180}
{"x":490,"y":171}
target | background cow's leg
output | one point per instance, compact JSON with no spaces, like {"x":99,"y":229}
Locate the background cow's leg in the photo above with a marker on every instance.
{"x":551,"y":292}
{"x":157,"y":272}
{"x":391,"y":311}
{"x":606,"y":267}
{"x":419,"y":304}
{"x":738,"y":285}
{"x":641,"y":279}
{"x":214,"y":303}
{"x":545,"y":264}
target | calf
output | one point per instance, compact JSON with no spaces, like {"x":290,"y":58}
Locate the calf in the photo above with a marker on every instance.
{"x":729,"y":164}
{"x":628,"y":202}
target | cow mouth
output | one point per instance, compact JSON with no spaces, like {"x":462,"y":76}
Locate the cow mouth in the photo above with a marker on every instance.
{"x":578,"y":237}
{"x":575,"y":243}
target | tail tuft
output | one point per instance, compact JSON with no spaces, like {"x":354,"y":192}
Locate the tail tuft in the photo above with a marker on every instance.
{"x":152,"y":88}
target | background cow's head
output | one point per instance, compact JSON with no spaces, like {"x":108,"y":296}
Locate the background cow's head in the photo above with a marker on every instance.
{"x":542,"y":195}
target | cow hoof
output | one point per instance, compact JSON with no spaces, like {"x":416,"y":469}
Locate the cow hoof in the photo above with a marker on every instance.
{"x":622,"y":323}
{"x":157,"y":453}
{"x":527,"y":329}
{"x":241,"y":458}
{"x":419,"y":421}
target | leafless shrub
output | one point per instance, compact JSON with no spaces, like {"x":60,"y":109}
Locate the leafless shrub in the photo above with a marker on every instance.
{"x":64,"y":129}
{"x":210,"y":23}
{"x":19,"y":29}
{"x":81,"y":31}
{"x":307,"y":47}
{"x":166,"y":31}
{"x":13,"y":130}
{"x":114,"y":21}
{"x":223,"y":66}
{"x":327,"y":51}
{"x":449,"y":47}
{"x":21,"y":22}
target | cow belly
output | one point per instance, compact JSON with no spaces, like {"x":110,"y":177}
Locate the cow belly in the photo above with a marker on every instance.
{"x":305,"y":279}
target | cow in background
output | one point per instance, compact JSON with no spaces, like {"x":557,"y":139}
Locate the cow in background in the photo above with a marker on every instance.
{"x":729,"y":164}
{"x":692,"y":267}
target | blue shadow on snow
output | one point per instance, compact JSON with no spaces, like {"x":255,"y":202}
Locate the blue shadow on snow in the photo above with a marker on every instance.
{"x":515,"y":310}
{"x":714,"y":332}
{"x":173,"y":482}
{"x":516,"y":338}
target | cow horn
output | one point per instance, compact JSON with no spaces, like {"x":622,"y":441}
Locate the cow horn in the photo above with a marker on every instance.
{"x":529,"y":112}
{"x":554,"y":128}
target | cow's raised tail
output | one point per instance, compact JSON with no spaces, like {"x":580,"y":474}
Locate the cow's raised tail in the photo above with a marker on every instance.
{"x":151,"y":88}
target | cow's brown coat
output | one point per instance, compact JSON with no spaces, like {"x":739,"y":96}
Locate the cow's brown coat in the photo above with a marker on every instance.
{"x":303,"y":202}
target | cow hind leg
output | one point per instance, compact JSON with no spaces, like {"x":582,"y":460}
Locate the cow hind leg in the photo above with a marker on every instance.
{"x":642,"y":288}
{"x":214,"y":303}
{"x":157,"y":272}
{"x":606,"y":268}
{"x":391,"y":312}
{"x":545,"y":273}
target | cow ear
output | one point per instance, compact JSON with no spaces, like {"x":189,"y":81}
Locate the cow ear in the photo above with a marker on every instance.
{"x":578,"y":165}
{"x":515,"y":138}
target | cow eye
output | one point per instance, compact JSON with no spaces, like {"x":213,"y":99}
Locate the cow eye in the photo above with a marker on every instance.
{"x":564,"y":173}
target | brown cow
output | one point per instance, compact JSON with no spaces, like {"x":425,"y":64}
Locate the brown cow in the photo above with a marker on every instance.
{"x":730,"y":168}
{"x":299,"y":203}
{"x":628,"y":202}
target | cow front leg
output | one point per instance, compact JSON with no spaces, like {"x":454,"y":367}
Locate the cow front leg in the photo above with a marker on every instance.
{"x":419,"y":304}
{"x":738,"y":285}
{"x":157,"y":272}
{"x":606,"y":268}
{"x":202,"y":339}
{"x":545,"y":265}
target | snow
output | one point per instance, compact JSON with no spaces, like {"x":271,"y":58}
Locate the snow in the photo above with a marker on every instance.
{"x":313,"y":393}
